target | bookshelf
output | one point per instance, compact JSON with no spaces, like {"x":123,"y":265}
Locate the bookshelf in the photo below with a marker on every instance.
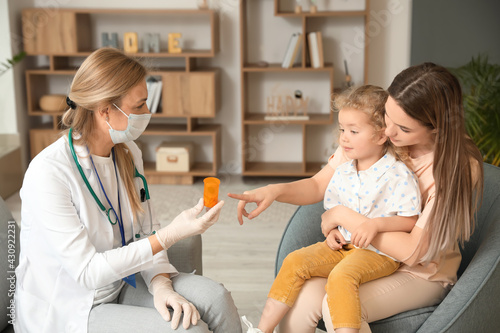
{"x":60,"y":39}
{"x":262,"y":22}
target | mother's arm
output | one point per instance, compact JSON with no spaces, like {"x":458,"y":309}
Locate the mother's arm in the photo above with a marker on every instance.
{"x":405,"y":247}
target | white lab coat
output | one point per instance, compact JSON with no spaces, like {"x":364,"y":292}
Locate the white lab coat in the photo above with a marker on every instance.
{"x":67,"y":243}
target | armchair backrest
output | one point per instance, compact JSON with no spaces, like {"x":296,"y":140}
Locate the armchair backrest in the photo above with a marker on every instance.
{"x":488,"y":216}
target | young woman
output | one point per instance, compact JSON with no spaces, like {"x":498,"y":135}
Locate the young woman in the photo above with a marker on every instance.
{"x":87,"y":229}
{"x":424,"y":113}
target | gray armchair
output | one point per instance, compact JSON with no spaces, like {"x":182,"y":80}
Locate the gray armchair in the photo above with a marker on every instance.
{"x":184,"y":255}
{"x":473,"y":303}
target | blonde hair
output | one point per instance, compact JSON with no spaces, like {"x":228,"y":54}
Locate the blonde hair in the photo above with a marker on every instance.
{"x":103,"y":79}
{"x":370,"y":100}
{"x":432,"y":95}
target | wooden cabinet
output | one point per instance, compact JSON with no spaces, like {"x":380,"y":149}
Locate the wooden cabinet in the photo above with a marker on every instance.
{"x":262,"y":24}
{"x":46,"y":31}
{"x":190,"y":94}
{"x":62,"y":38}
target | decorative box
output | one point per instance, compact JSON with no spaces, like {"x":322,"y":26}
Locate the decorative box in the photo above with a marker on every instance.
{"x":174,"y":156}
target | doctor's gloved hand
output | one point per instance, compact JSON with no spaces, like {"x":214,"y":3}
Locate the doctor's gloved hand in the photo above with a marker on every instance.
{"x":187,"y":224}
{"x":164,"y":296}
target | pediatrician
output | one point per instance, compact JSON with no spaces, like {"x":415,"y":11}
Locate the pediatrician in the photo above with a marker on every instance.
{"x":87,"y":227}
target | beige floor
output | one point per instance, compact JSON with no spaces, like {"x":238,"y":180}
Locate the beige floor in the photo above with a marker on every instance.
{"x":241,"y":257}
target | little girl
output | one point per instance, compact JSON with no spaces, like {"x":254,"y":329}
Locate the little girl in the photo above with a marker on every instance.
{"x":375,"y":183}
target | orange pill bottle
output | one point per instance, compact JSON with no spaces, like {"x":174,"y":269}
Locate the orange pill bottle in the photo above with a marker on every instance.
{"x":211,"y":191}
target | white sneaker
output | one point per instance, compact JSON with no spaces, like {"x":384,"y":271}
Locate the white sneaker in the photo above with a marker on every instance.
{"x":251,"y":329}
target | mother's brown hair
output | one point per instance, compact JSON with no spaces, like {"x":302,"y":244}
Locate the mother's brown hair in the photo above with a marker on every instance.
{"x":432,"y":95}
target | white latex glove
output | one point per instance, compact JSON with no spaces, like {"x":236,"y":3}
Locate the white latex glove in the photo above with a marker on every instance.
{"x":186,"y":224}
{"x":164,"y":296}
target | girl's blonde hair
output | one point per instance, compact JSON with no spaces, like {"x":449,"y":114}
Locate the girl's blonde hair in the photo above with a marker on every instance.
{"x":370,"y":100}
{"x":432,"y":95}
{"x":103,"y":79}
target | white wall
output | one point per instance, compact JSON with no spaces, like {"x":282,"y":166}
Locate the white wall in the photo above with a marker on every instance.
{"x":389,"y":54}
{"x":13,"y":119}
{"x":8,"y":121}
{"x":390,"y":40}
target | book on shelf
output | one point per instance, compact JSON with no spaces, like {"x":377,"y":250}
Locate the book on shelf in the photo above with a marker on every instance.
{"x":319,"y":38}
{"x":288,"y":52}
{"x":292,"y":50}
{"x":154,"y":87}
{"x":315,"y":41}
{"x":296,"y":51}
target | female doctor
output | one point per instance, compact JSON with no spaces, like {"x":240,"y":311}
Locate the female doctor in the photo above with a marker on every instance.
{"x":86,"y":225}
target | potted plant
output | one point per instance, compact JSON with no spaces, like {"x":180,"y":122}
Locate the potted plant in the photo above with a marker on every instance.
{"x":480,"y":82}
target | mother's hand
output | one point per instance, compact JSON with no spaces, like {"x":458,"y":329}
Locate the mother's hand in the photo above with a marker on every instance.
{"x":263,"y":197}
{"x":341,"y":216}
{"x":328,"y":222}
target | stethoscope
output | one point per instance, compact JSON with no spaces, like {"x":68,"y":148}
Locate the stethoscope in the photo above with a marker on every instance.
{"x":110,"y":213}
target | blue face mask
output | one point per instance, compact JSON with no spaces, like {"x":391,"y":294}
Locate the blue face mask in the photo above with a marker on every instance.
{"x":137,"y":123}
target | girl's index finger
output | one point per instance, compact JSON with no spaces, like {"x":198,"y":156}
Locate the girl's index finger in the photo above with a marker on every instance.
{"x":244,"y":197}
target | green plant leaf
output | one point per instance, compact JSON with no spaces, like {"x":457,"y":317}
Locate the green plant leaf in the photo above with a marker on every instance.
{"x":480,"y":82}
{"x":12,"y":62}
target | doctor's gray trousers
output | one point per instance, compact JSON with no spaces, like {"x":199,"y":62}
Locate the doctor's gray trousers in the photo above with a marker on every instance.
{"x":133,"y":310}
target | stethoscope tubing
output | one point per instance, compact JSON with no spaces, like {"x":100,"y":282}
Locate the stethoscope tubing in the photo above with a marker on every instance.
{"x":72,"y":148}
{"x":96,"y":198}
{"x":119,"y":220}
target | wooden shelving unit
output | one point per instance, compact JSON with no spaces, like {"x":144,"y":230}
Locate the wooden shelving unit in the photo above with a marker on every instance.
{"x":63,"y":37}
{"x":250,"y":67}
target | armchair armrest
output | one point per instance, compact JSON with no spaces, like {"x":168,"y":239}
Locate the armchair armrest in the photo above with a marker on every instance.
{"x":185,"y":255}
{"x":472,"y":304}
